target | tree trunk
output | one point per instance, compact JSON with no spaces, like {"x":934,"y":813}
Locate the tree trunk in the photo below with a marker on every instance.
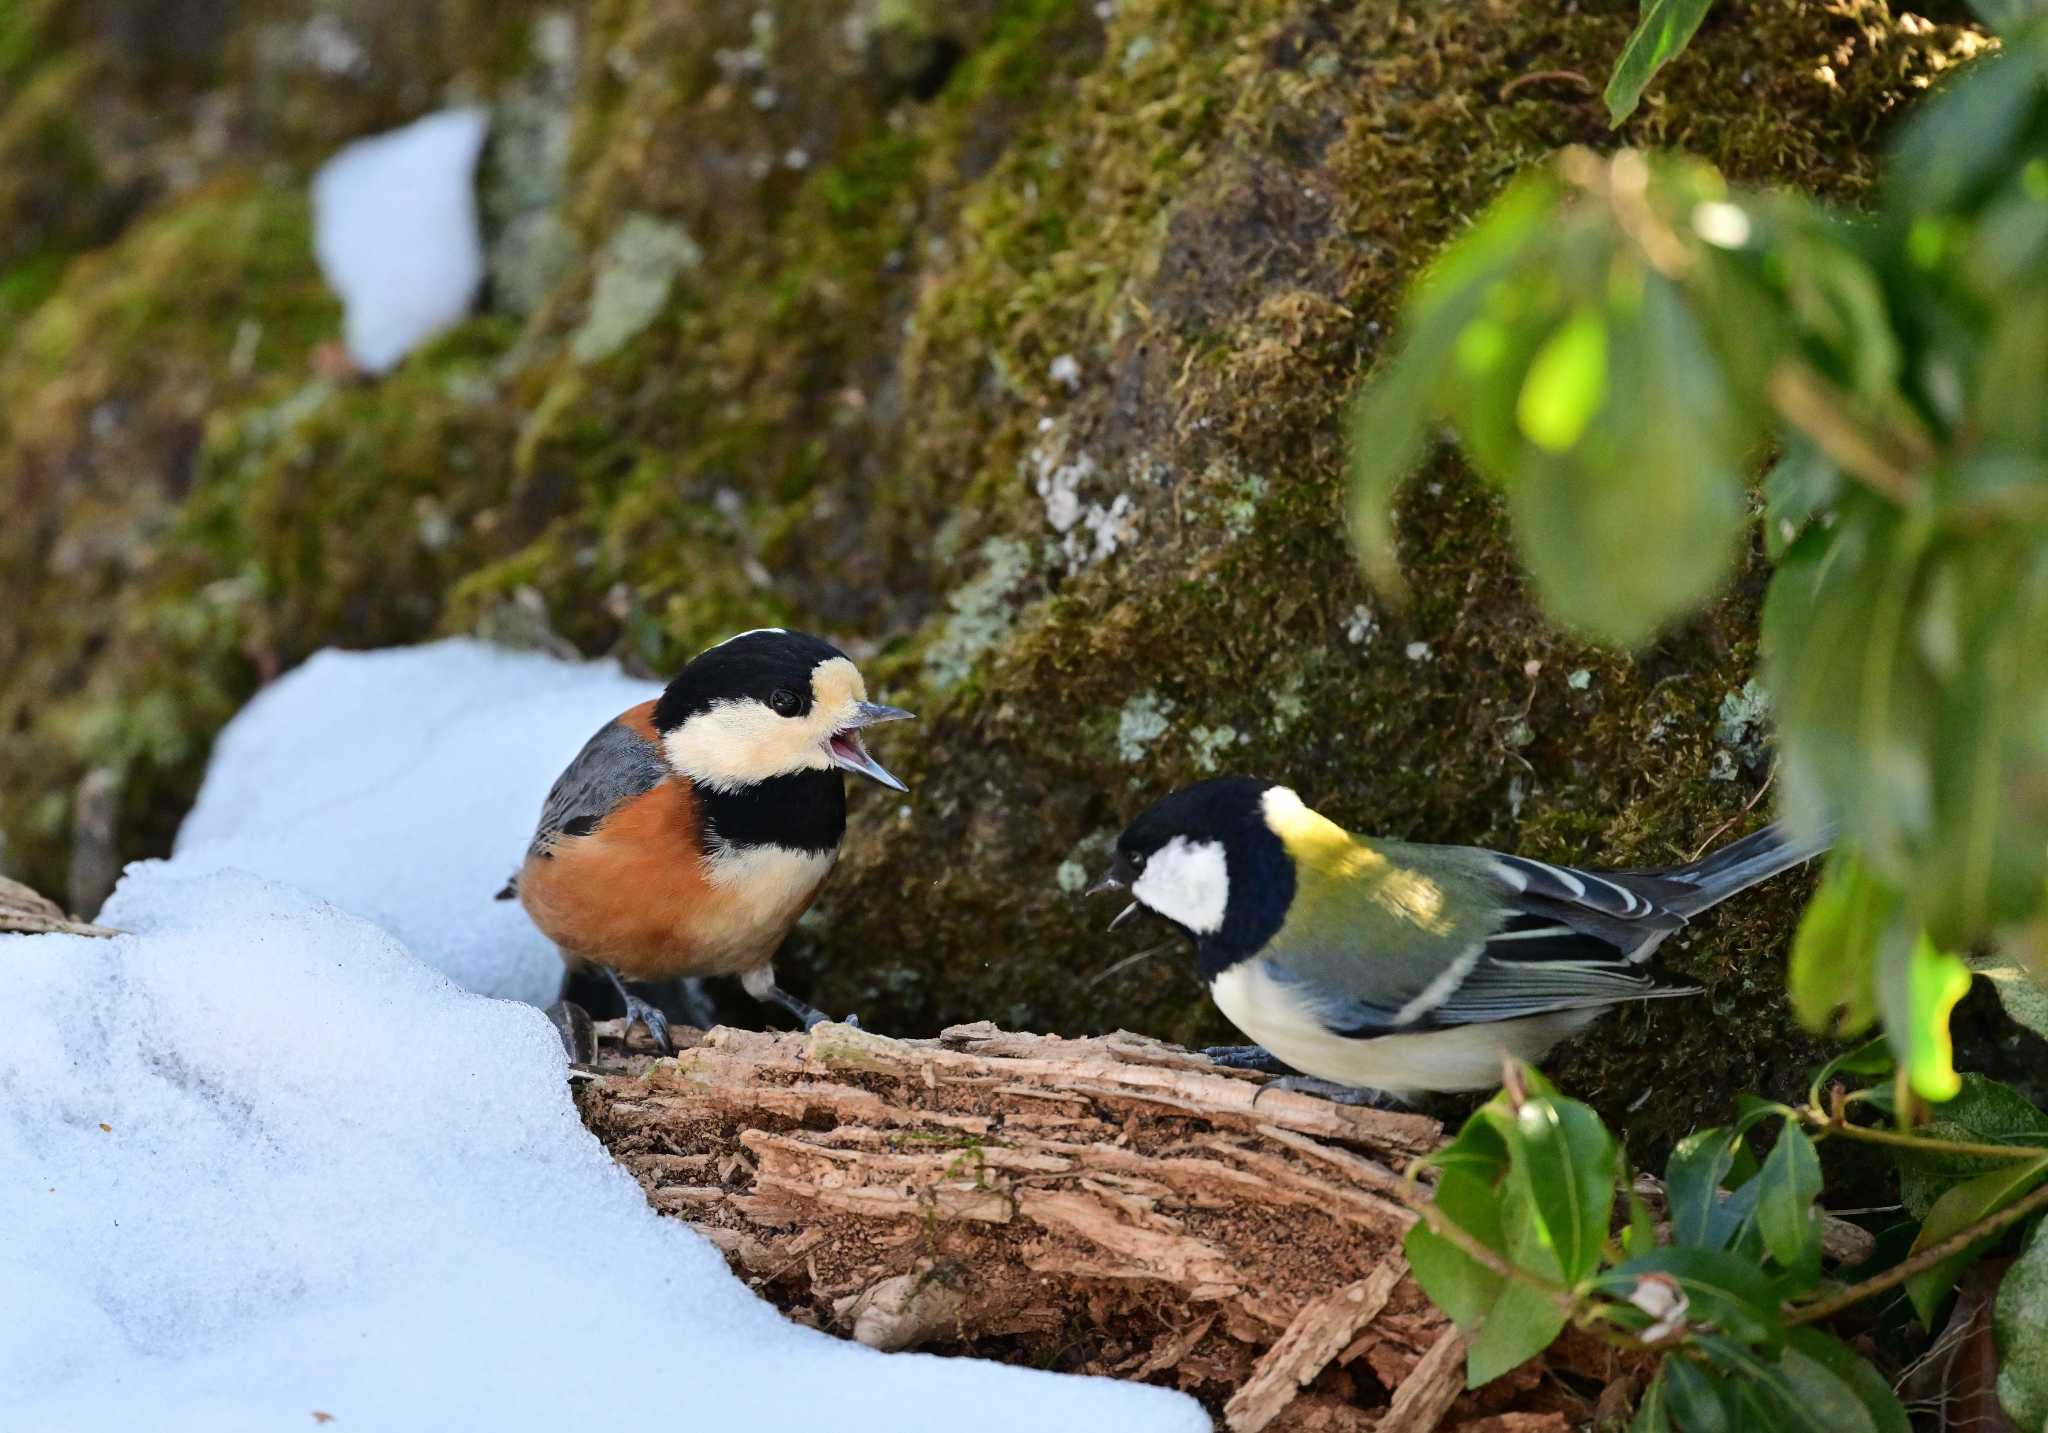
{"x":1113,"y":1205}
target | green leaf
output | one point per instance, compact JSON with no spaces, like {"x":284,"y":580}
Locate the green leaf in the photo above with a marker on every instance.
{"x":1566,"y":383}
{"x":1640,"y":1237}
{"x":1984,"y":1112}
{"x":1786,"y":1188}
{"x":1984,"y":863}
{"x":1665,"y":29}
{"x":1457,"y":1283}
{"x":1390,"y":428}
{"x":2008,"y":16}
{"x":1957,"y":143}
{"x":1567,"y":1164}
{"x":1855,"y":712}
{"x":1700,"y":1402}
{"x":1870,"y":1059}
{"x":1798,"y":488}
{"x":2020,"y":1315}
{"x":1725,"y":1290}
{"x":1832,"y":978}
{"x":1638,"y":522}
{"x":2025,"y":999}
{"x":1887,"y":1414}
{"x":1917,"y":988}
{"x":1653,"y":1414}
{"x":1692,"y":1180}
{"x":1956,"y":1211}
{"x":1522,"y":1323}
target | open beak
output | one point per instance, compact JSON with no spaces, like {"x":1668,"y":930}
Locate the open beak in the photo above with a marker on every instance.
{"x":846,"y":751}
{"x":1115,"y":879}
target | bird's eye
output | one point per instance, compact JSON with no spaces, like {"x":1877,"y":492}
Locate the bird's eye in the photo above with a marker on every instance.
{"x":1137,"y":860}
{"x":784,"y":702}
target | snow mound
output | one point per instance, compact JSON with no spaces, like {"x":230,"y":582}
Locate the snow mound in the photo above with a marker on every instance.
{"x":395,"y":231}
{"x":258,"y":1164}
{"x":403,"y":786}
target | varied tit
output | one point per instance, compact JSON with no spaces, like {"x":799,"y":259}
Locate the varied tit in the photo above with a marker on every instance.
{"x":1401,"y":968}
{"x":690,"y":833}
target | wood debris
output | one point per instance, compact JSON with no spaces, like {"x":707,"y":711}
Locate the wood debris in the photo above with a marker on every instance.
{"x":1111,"y":1205}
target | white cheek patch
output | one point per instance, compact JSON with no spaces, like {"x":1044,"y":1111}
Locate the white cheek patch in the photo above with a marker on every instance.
{"x":1188,"y":882}
{"x":736,"y":744}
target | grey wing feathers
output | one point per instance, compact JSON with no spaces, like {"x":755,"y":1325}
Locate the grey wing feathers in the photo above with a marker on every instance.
{"x":614,"y":766}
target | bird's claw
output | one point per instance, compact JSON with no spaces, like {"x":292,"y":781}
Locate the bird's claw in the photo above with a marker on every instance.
{"x":812,"y":1019}
{"x":1245,"y":1057}
{"x":650,"y":1016}
{"x":1331,"y":1091}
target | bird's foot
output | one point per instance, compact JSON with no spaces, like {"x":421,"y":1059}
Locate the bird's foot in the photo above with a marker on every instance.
{"x":1246,"y":1057}
{"x":761,"y":985}
{"x":638,"y":1011}
{"x":1333,"y":1092}
{"x":812,"y":1017}
{"x":650,"y":1016}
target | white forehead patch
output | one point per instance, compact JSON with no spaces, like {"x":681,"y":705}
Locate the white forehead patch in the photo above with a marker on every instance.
{"x":750,"y":632}
{"x":1187,"y":881}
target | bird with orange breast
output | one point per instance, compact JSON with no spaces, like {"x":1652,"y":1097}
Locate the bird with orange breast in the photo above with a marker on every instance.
{"x":691,"y":833}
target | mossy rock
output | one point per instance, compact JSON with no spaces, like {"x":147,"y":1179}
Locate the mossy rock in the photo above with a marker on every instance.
{"x":1008,"y":344}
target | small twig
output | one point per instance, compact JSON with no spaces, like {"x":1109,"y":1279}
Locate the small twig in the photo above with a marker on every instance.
{"x":1747,"y":807}
{"x":1926,"y":1259}
{"x":1926,"y":1143}
{"x":1537,"y":77}
{"x":1812,"y":405}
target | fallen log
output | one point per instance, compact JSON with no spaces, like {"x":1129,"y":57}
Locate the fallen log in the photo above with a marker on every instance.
{"x":1111,"y":1205}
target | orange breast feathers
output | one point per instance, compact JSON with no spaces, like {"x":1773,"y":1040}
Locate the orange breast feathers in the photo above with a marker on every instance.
{"x":639,"y":895}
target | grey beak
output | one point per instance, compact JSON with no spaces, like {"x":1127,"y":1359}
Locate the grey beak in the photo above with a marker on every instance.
{"x":846,"y":751}
{"x":1109,"y":882}
{"x":1123,"y":915}
{"x":874,"y":714}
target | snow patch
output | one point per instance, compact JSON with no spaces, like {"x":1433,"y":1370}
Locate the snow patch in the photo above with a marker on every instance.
{"x":395,"y":232}
{"x":261,"y":1162}
{"x":403,"y":786}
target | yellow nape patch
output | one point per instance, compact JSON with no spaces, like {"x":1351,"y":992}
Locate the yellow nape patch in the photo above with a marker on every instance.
{"x":1322,"y":846}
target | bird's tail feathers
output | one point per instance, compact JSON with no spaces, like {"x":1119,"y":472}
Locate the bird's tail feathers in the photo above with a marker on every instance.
{"x":1741,"y":864}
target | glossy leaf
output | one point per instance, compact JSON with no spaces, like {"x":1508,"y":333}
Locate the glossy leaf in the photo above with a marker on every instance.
{"x":1700,"y":1402}
{"x":1787,"y":1186}
{"x":1666,"y":28}
{"x":1653,"y":1414}
{"x":1469,"y":1171}
{"x":1522,"y":1323}
{"x":1832,"y":978}
{"x":2020,"y":1315}
{"x":1725,"y":1290}
{"x":2006,"y":16}
{"x":1692,"y":1181}
{"x":1566,"y":383}
{"x":2025,"y":999}
{"x":1638,"y":521}
{"x":1567,"y":1164}
{"x":1983,"y":1112}
{"x":1855,"y":711}
{"x":1880,"y":1403}
{"x":1956,"y":1211}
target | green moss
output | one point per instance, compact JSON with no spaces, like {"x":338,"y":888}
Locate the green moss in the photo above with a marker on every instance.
{"x":1011,"y":347}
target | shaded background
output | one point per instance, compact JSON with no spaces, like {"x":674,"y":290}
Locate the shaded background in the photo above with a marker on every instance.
{"x":1004,"y":341}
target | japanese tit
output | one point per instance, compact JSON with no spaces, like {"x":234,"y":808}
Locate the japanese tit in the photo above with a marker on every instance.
{"x":1404,"y":968}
